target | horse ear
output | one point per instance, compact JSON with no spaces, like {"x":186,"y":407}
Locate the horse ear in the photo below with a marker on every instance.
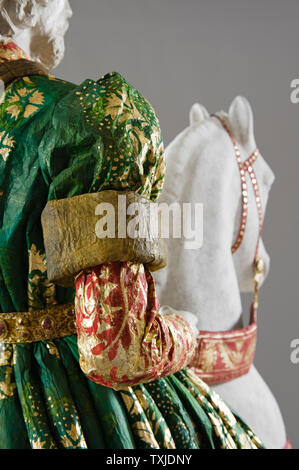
{"x":241,"y":119}
{"x":197,"y":113}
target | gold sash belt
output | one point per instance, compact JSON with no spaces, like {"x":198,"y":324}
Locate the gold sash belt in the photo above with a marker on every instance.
{"x":52,"y":322}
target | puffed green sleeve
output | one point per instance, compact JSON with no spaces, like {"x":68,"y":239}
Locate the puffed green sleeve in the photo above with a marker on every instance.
{"x":104,"y":135}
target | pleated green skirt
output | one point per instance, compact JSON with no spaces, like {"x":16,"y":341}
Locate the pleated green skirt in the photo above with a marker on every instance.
{"x":47,"y":402}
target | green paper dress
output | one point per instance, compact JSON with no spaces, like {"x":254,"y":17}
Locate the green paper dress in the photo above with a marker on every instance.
{"x":59,"y":140}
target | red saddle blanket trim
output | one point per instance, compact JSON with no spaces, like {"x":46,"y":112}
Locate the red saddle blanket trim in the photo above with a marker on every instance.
{"x":224,"y":355}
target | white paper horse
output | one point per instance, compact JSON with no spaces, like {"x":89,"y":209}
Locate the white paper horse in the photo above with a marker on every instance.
{"x":202,"y":167}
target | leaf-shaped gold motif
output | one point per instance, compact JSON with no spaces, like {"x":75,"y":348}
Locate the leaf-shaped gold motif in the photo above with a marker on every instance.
{"x":5,"y":152}
{"x":29,"y":110}
{"x":13,"y":110}
{"x":209,"y":357}
{"x":8,"y":141}
{"x":23,"y":92}
{"x":37,"y":98}
{"x":8,"y":385}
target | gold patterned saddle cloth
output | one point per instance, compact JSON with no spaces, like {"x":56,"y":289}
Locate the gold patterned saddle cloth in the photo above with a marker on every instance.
{"x":225,"y":355}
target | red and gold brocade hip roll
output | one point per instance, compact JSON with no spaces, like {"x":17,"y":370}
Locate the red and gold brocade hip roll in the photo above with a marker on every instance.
{"x":122,"y":339}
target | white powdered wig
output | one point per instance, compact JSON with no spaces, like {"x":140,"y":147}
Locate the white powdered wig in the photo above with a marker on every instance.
{"x":37,"y":26}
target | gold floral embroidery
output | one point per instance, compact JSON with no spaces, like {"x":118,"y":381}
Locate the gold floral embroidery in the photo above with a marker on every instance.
{"x":38,"y":443}
{"x":6,"y":144}
{"x":76,"y":434}
{"x":36,"y":260}
{"x":38,"y":283}
{"x":37,"y":98}
{"x":141,"y":425}
{"x":112,"y":102}
{"x":222,"y":357}
{"x":168,"y":442}
{"x":250,"y":352}
{"x":229,"y":356}
{"x":25,"y":100}
{"x":209,"y":357}
{"x":27,"y":80}
{"x":8,"y":385}
{"x":74,"y":438}
{"x":13,"y":110}
{"x":22,"y":92}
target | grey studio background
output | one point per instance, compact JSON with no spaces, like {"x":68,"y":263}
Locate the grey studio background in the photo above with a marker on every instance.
{"x":178,"y":52}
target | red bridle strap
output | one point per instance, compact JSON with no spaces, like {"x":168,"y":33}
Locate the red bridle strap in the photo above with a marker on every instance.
{"x":225,"y":355}
{"x":245,"y":167}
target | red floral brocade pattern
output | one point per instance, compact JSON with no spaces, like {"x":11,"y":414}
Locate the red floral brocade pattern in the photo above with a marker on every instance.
{"x":225,"y":355}
{"x":122,"y":339}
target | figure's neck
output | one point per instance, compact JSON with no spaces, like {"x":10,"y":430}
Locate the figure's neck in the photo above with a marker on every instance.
{"x":23,"y":42}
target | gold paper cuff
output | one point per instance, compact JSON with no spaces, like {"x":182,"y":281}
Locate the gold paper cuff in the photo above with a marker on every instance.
{"x":71,"y":242}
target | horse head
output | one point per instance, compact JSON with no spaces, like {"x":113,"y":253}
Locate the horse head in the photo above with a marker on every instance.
{"x":201,"y":167}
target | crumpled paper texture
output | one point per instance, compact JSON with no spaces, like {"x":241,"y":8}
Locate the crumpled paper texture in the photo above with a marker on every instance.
{"x":71,"y":242}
